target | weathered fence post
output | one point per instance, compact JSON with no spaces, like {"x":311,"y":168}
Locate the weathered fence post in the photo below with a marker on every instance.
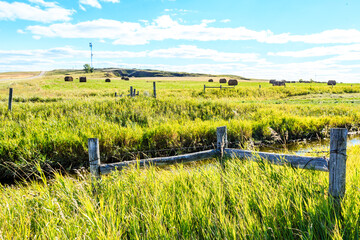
{"x":115,"y":94}
{"x":337,"y":162}
{"x":220,"y":87}
{"x":154,"y":88}
{"x":131,"y":91}
{"x":94,"y":157}
{"x":204,"y":88}
{"x":259,"y":86}
{"x":10,"y":98}
{"x":221,"y":143}
{"x":134,"y":93}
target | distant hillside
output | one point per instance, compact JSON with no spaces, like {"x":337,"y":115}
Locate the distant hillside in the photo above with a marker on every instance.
{"x":120,"y":72}
{"x":153,"y":73}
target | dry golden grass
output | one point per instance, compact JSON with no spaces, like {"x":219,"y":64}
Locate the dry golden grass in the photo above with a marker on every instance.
{"x":17,"y":75}
{"x":195,"y":79}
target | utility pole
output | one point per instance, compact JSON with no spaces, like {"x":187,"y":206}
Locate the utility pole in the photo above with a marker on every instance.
{"x":90,"y":45}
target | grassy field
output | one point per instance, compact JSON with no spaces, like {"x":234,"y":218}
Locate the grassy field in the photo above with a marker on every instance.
{"x":52,"y":120}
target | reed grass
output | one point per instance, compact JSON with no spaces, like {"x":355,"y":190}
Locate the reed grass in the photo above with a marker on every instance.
{"x":52,"y":119}
{"x":246,"y":201}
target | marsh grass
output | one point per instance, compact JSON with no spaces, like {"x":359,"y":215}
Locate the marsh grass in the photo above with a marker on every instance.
{"x":52,"y":119}
{"x":248,"y":200}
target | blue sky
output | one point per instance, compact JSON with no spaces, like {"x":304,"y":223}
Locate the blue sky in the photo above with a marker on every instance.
{"x":289,"y":39}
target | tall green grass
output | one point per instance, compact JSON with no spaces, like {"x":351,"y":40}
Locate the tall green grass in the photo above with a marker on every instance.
{"x":56,"y":133}
{"x":246,"y":201}
{"x":52,"y":119}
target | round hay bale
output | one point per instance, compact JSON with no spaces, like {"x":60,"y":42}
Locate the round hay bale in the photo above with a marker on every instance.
{"x":222,"y":80}
{"x":210,"y":80}
{"x":68,"y":79}
{"x":82,"y":79}
{"x":107,"y":80}
{"x":331,"y":82}
{"x":126,"y":79}
{"x":233,"y":82}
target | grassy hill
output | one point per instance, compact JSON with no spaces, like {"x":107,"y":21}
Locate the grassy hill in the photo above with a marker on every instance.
{"x":141,"y":73}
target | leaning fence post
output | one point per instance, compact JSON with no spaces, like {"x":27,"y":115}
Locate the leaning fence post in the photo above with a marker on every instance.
{"x":221,"y":143}
{"x":94,"y":157}
{"x":154,"y":87}
{"x":131,"y":91}
{"x":10,"y":98}
{"x":337,"y":162}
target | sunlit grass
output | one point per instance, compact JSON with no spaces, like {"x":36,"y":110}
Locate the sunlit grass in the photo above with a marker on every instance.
{"x":52,"y":119}
{"x":247,"y":200}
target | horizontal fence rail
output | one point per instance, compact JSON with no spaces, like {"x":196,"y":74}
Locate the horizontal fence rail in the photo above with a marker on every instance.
{"x":160,"y":161}
{"x":336,"y":165}
{"x":316,"y":163}
{"x":220,"y":87}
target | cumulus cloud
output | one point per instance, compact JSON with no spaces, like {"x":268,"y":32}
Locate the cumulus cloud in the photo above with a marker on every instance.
{"x":43,"y":3}
{"x":225,"y":20}
{"x":94,"y":3}
{"x":182,"y":51}
{"x":162,"y":28}
{"x":112,"y":1}
{"x":19,"y":10}
{"x":320,"y":51}
{"x":165,"y":27}
{"x":193,"y":52}
{"x":91,"y":3}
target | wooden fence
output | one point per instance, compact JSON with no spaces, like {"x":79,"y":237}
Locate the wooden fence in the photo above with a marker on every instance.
{"x":221,"y":87}
{"x":336,"y":165}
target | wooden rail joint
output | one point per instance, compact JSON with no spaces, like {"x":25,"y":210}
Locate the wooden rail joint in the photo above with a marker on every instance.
{"x":336,"y":166}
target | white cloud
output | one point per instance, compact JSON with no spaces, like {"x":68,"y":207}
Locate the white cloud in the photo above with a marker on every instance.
{"x":112,"y":1}
{"x":320,"y":51}
{"x":162,"y":28}
{"x":193,"y":52}
{"x":329,"y":36}
{"x":92,"y":3}
{"x":165,"y":27}
{"x":182,"y":51}
{"x":225,"y":20}
{"x":19,"y":10}
{"x":205,"y":22}
{"x":43,"y":3}
{"x":82,"y":7}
